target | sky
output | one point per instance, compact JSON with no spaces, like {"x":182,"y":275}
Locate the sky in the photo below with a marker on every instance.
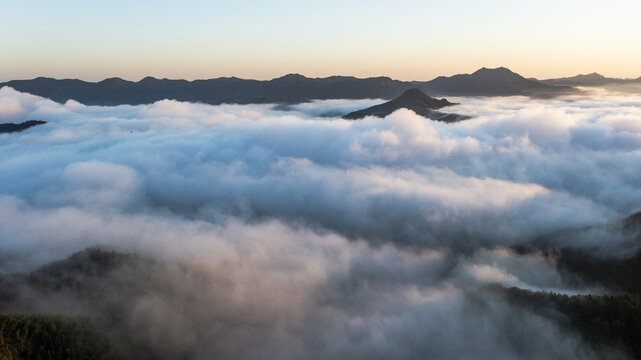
{"x":403,"y":39}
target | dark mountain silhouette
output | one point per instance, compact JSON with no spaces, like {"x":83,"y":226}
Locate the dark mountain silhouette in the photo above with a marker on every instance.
{"x":11,"y":127}
{"x":491,"y":82}
{"x":413,"y":99}
{"x":287,"y":89}
{"x":593,"y":79}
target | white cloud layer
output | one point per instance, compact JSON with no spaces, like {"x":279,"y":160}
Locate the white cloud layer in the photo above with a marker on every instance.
{"x":520,"y":169}
{"x":361,"y":238}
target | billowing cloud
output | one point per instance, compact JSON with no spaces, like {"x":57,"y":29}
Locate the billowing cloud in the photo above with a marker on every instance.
{"x":520,"y":169}
{"x":241,"y":290}
{"x":303,"y":235}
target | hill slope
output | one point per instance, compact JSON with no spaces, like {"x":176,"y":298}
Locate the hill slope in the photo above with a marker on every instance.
{"x":610,"y":324}
{"x":114,"y":286}
{"x":413,"y":99}
{"x":50,"y":337}
{"x":11,"y":127}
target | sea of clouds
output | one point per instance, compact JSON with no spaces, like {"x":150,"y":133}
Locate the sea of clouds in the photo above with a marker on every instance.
{"x":332,"y":238}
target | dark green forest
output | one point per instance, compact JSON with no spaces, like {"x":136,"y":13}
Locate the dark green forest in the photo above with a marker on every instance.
{"x":50,"y":337}
{"x":606,"y":322}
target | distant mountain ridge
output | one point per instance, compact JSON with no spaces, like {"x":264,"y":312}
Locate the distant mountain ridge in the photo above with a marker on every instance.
{"x":593,"y":79}
{"x":413,"y":99}
{"x":287,"y":89}
{"x":491,"y":82}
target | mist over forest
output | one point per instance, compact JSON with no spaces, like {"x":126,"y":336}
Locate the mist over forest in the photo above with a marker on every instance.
{"x":187,"y":230}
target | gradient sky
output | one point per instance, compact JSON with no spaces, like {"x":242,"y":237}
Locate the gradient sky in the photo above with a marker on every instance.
{"x":404,"y":39}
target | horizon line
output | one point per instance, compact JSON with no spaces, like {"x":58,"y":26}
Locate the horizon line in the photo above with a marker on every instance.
{"x":304,"y":76}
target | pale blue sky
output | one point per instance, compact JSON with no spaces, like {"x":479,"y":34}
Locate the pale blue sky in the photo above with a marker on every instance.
{"x":405,"y":39}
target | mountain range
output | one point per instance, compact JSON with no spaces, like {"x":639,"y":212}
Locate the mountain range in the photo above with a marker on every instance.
{"x":290,"y":88}
{"x":593,"y":79}
{"x":491,"y":82}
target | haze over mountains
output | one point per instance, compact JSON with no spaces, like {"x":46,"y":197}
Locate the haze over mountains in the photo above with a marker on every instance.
{"x":107,"y":291}
{"x":593,"y":79}
{"x":346,"y":180}
{"x":274,"y":232}
{"x":289,"y":88}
